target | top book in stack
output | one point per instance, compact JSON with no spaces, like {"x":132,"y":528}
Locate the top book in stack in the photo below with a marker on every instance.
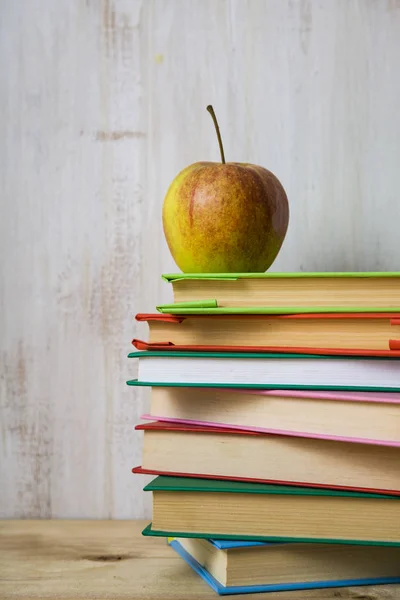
{"x":283,"y":293}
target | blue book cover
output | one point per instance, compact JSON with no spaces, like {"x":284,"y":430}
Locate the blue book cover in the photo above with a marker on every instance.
{"x":229,"y":544}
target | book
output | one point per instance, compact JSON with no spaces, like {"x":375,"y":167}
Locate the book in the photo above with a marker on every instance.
{"x":355,"y":417}
{"x":186,"y":507}
{"x":286,"y":371}
{"x":248,"y":567}
{"x":192,"y":450}
{"x":273,"y":333}
{"x":282,"y":293}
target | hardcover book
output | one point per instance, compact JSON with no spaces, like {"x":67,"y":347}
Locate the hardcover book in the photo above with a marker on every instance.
{"x":193,"y":451}
{"x":365,"y":417}
{"x":231,"y":567}
{"x":283,"y":293}
{"x":187,"y":507}
{"x":334,"y":333}
{"x":267,"y":371}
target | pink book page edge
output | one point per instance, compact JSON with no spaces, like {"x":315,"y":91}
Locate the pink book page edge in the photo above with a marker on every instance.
{"x":302,"y":434}
{"x":385,"y":397}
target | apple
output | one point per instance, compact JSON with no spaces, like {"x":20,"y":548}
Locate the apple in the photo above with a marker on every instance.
{"x":225,"y":217}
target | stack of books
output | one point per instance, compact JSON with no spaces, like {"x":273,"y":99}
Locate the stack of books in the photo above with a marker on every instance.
{"x":275,"y":428}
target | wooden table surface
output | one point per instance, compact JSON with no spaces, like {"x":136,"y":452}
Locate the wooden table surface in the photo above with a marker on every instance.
{"x":73,"y":560}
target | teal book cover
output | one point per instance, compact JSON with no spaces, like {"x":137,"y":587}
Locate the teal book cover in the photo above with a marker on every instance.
{"x":323,"y":515}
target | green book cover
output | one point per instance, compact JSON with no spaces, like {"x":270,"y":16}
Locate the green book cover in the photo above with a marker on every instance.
{"x":194,"y":484}
{"x":149,"y":531}
{"x":300,"y":275}
{"x":269,"y":355}
{"x":210,"y":307}
{"x":261,"y":386}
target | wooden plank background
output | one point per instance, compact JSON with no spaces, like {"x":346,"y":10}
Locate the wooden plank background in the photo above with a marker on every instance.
{"x":101,"y":104}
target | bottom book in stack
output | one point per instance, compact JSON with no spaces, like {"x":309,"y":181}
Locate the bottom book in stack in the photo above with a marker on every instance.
{"x":240,"y":567}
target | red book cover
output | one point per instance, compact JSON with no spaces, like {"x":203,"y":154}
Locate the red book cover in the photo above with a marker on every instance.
{"x":179,"y":318}
{"x":141,"y":471}
{"x":141,"y":345}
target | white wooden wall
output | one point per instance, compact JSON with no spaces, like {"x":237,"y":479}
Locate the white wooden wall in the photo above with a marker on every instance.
{"x":102,"y":103}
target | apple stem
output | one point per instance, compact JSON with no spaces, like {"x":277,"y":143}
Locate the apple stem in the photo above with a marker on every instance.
{"x":214,"y":118}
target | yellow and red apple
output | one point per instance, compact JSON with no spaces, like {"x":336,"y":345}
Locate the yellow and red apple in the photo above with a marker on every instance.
{"x":225,"y":217}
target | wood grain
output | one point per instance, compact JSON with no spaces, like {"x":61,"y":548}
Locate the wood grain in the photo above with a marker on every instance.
{"x":102,"y":102}
{"x":77,"y":560}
